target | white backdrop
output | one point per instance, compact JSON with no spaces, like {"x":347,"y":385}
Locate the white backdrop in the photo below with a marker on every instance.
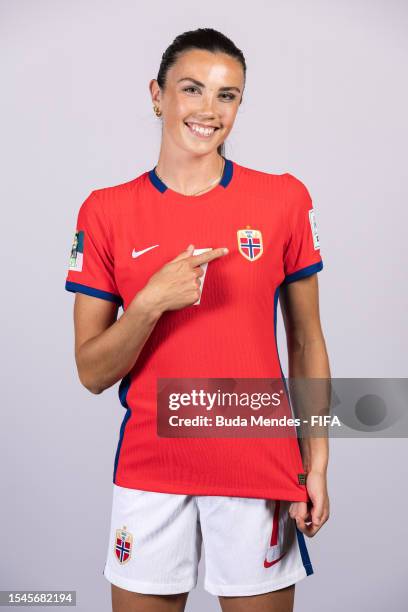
{"x":326,"y":100}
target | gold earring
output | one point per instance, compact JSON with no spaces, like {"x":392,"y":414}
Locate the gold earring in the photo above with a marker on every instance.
{"x":157,"y":110}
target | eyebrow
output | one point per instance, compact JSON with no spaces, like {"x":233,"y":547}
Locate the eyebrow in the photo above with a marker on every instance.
{"x":202,"y":84}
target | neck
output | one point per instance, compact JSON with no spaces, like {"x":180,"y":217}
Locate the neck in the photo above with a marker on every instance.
{"x":187,"y":173}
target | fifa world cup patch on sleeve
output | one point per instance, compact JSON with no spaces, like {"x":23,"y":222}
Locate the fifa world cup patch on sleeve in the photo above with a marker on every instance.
{"x":313,"y":226}
{"x":77,"y":251}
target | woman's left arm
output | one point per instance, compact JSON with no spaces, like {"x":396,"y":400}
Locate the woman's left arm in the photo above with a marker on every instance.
{"x":308,"y":359}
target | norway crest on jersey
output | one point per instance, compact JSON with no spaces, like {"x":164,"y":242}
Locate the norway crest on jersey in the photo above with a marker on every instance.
{"x":250,"y":243}
{"x":123,"y":545}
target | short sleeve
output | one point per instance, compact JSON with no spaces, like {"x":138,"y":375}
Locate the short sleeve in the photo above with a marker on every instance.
{"x":302,"y":249}
{"x":91,"y":264}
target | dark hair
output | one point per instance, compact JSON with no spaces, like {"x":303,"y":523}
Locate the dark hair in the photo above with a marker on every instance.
{"x":201,"y":38}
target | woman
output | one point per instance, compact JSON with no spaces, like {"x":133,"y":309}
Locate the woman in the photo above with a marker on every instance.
{"x":197,"y":251}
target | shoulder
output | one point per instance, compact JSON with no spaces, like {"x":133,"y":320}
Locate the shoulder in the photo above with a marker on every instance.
{"x":114,"y":196}
{"x":296,"y":190}
{"x":288,"y":183}
{"x":298,"y":201}
{"x":258,"y":184}
{"x":261,"y":177}
{"x":287,"y":188}
{"x":110,"y":203}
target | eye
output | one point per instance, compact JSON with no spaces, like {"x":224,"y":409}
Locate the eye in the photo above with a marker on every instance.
{"x":190,"y":87}
{"x":231,"y":96}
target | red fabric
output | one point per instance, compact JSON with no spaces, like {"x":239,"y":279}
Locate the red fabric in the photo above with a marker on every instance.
{"x":229,"y":334}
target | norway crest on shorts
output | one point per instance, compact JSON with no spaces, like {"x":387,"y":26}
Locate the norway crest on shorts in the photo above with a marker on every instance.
{"x":123,"y":545}
{"x":250,"y":243}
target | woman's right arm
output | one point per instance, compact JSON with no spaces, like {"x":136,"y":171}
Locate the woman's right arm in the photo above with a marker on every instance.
{"x":106,"y":349}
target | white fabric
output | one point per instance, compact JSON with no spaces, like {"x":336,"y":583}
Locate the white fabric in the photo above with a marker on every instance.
{"x":168,"y":531}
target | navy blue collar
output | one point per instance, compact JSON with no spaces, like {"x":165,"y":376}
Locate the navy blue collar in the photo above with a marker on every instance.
{"x":225,"y":179}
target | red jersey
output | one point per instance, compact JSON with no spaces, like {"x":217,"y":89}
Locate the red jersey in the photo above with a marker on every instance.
{"x":124,"y":234}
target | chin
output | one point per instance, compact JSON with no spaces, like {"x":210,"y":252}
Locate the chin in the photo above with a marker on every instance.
{"x":199,"y":149}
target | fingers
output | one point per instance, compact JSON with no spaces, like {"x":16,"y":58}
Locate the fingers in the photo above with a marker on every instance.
{"x":184,"y":254}
{"x":308,"y":529}
{"x":307,"y":522}
{"x":198,"y":260}
{"x":302,"y":518}
{"x":198,"y":271}
{"x":298,"y":509}
{"x":318,"y":511}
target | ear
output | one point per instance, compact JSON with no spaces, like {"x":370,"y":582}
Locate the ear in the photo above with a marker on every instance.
{"x":155,"y":91}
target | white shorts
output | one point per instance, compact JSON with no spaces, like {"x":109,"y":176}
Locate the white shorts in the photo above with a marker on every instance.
{"x":252,"y":545}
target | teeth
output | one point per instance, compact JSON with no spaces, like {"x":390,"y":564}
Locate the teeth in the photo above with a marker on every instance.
{"x":201,"y":130}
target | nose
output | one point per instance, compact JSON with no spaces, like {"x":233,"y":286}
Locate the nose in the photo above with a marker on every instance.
{"x":207,"y":106}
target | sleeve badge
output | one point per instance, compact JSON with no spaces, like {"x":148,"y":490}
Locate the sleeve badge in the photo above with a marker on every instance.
{"x":77,"y":251}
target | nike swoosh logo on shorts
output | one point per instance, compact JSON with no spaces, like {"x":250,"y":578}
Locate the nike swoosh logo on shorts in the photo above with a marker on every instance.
{"x":270,"y":563}
{"x":137,"y":253}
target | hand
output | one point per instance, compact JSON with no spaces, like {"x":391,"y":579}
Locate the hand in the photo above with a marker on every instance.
{"x":310,"y":519}
{"x":177,"y":283}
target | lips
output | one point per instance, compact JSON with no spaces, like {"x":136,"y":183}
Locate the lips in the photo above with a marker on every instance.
{"x":201,"y":130}
{"x":204,"y":125}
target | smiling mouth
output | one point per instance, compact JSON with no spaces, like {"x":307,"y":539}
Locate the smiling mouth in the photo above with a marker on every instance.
{"x":201,"y":131}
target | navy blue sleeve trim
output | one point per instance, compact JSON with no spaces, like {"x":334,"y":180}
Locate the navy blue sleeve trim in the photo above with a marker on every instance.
{"x":105,"y":295}
{"x":303,"y":272}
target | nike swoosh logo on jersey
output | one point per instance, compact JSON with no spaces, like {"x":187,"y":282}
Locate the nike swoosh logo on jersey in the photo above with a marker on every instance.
{"x":270,"y":563}
{"x":137,"y":253}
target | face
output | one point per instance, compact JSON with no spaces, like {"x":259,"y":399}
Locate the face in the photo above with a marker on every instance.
{"x":201,"y":98}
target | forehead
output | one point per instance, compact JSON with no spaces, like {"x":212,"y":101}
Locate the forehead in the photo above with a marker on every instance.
{"x":207,"y":66}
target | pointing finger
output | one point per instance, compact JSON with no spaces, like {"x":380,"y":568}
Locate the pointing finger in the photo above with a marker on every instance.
{"x":184,"y":254}
{"x":197,"y":260}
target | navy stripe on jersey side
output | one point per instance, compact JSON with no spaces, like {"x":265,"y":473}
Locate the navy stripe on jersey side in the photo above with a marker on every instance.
{"x":123,"y":389}
{"x":300,"y":536}
{"x":105,"y":295}
{"x":122,"y":392}
{"x":275,"y":319}
{"x":121,"y":434}
{"x":303,"y":272}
